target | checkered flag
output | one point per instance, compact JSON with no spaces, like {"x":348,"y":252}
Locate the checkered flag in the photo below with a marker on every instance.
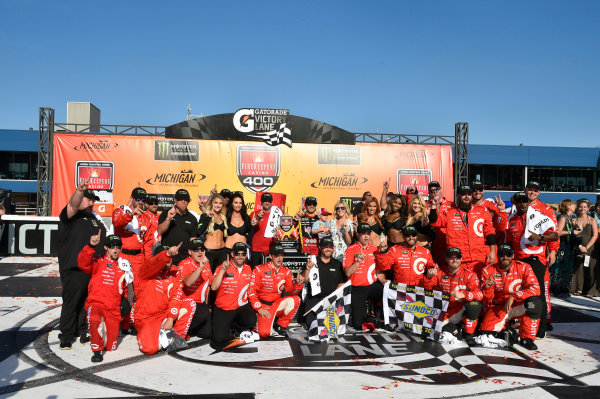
{"x":275,"y":137}
{"x":419,"y":310}
{"x":333,"y":313}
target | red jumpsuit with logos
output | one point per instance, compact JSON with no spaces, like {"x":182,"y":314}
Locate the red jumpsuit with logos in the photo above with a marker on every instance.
{"x":551,"y":246}
{"x":519,"y":282}
{"x":499,"y":218}
{"x":438,"y":247}
{"x":470,"y":231}
{"x":465,"y":281}
{"x":106,"y":288}
{"x":266,"y":286}
{"x":133,"y":241}
{"x":197,"y":293}
{"x":151,"y":237}
{"x":160,"y":297}
{"x":407,"y":264}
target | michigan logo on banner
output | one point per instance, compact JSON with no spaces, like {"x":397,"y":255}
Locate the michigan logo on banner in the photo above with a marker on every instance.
{"x":419,"y":310}
{"x":333,"y":313}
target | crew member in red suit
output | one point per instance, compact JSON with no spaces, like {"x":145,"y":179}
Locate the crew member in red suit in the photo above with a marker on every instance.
{"x":469,"y":228}
{"x":196,"y":275}
{"x":533,"y":191}
{"x":495,"y":209}
{"x":306,"y":220}
{"x":359,"y":265}
{"x":232,"y":311}
{"x":159,"y":304}
{"x":530,"y":246}
{"x":407,"y":260}
{"x":465,"y":295}
{"x":511,"y":291}
{"x":110,"y":277}
{"x":260,"y":219}
{"x":265,"y":293}
{"x":438,"y":247}
{"x":151,"y":236}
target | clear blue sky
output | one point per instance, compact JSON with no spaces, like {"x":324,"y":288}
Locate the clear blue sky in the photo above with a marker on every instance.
{"x":518,"y":71}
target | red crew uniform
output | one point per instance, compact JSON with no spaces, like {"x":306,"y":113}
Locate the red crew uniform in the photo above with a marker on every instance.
{"x":260,"y":244}
{"x":499,"y":218}
{"x":106,"y":288}
{"x":151,"y":237}
{"x":438,"y":247}
{"x":266,"y":286}
{"x":132,"y":238}
{"x":199,"y":290}
{"x":408,"y":265}
{"x":470,"y":231}
{"x":159,"y":298}
{"x":467,"y":308}
{"x":519,"y":282}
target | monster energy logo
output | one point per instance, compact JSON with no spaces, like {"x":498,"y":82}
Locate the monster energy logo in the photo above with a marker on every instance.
{"x":176,"y":150}
{"x":338,"y":155}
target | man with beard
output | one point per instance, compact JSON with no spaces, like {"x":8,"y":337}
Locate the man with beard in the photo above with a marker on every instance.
{"x":530,"y":231}
{"x":306,"y":220}
{"x":260,"y":220}
{"x":77,"y":223}
{"x":469,"y":228}
{"x":232,"y":311}
{"x":327,"y":276}
{"x":465,"y":295}
{"x":178,"y":225}
{"x":511,"y":291}
{"x":407,"y":260}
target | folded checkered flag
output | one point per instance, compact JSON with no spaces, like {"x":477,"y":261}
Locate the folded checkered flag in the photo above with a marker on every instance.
{"x":275,"y":137}
{"x":333,"y":313}
{"x":417,"y":309}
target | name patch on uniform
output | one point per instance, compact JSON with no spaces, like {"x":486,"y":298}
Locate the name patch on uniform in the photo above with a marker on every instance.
{"x":109,"y":265}
{"x":445,"y":277}
{"x":457,"y":214}
{"x":497,"y":275}
{"x":404,"y":252}
{"x":229,"y":275}
{"x":331,"y":270}
{"x":267,"y":272}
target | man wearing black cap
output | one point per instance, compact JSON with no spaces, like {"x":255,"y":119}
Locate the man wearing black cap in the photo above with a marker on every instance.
{"x":511,"y":291}
{"x":260,"y":219}
{"x":437,"y":201}
{"x":306,"y":220}
{"x":529,"y":232}
{"x":232,"y":311}
{"x":407,"y":260}
{"x":495,"y":209}
{"x":226,"y":194}
{"x":470,"y":229}
{"x":265,"y":294}
{"x":151,"y":237}
{"x":77,"y":223}
{"x":129,"y":224}
{"x":178,"y":225}
{"x":465,"y":295}
{"x":110,"y":281}
{"x":322,"y":278}
{"x":359,"y":266}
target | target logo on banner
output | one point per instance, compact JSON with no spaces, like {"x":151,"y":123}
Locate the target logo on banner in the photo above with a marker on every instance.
{"x":258,"y":167}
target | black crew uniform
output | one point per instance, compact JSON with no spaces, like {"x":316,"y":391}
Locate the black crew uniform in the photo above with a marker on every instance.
{"x":181,"y":229}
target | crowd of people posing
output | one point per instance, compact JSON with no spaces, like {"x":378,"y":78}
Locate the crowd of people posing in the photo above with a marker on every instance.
{"x":218,"y":275}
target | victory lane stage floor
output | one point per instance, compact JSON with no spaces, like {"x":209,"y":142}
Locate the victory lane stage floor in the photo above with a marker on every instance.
{"x":360,"y":365}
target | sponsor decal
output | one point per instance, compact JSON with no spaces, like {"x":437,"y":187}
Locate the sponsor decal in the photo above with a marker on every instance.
{"x":346,"y":181}
{"x":185,"y":177}
{"x":419,"y":309}
{"x":286,"y":223}
{"x":96,"y":145}
{"x":265,"y":124}
{"x":351,"y":202}
{"x":100,"y":173}
{"x":413,"y":177}
{"x":176,"y":150}
{"x":332,"y":321}
{"x":258,"y":167}
{"x":328,"y":154}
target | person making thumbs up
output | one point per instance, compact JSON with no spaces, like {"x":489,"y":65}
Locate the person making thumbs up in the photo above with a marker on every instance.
{"x":178,"y":225}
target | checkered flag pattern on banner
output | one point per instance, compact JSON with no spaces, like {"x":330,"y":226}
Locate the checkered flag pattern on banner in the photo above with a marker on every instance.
{"x":333,"y":313}
{"x":275,"y":137}
{"x":419,"y":310}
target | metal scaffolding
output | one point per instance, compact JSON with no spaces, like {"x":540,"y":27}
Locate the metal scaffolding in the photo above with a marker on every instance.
{"x":461,"y":154}
{"x":44,"y":186}
{"x":403,"y":138}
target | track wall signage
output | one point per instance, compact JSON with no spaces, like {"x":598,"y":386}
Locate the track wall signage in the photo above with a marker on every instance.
{"x":326,"y":171}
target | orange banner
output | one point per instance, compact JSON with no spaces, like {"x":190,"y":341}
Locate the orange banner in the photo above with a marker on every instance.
{"x":117,"y":164}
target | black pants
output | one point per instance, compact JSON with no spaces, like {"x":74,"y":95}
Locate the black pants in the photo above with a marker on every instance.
{"x":257,"y":258}
{"x":539,"y":269}
{"x":223,"y":321}
{"x":360,"y":298}
{"x":74,"y":293}
{"x":216,"y":257}
{"x":201,"y":325}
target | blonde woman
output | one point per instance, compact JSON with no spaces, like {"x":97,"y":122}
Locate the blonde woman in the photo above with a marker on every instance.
{"x":341,"y":228}
{"x":418,"y":217}
{"x":212,"y":228}
{"x":586,"y":232}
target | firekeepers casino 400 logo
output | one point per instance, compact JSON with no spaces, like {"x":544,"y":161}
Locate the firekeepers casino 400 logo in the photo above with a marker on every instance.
{"x":258,"y":167}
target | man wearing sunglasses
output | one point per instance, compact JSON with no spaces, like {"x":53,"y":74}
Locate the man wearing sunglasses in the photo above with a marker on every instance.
{"x":496,"y":210}
{"x":151,"y":237}
{"x":438,"y":247}
{"x":465,"y":295}
{"x":469,"y":228}
{"x":306,"y":220}
{"x":407,"y":260}
{"x":196,"y":275}
{"x":130,"y":225}
{"x":530,"y":244}
{"x":232,"y":311}
{"x":511,"y":291}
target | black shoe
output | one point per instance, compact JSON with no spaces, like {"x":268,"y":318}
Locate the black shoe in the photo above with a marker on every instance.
{"x":279,"y":331}
{"x":469,"y":339}
{"x":66,"y":345}
{"x":541,"y":334}
{"x":528,"y":344}
{"x":549,"y":327}
{"x":97,"y":357}
{"x":129,"y":331}
{"x":84,"y":338}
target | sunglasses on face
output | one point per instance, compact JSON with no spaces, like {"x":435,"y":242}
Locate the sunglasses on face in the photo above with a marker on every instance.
{"x":478,"y":189}
{"x":112,"y":246}
{"x":152,"y":203}
{"x":455,"y":257}
{"x":505,"y":255}
{"x":410,"y":191}
{"x":410,"y":235}
{"x":239,"y":254}
{"x":311,"y":204}
{"x":340,"y":208}
{"x":198,"y":250}
{"x":434,"y":189}
{"x":139,"y":199}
